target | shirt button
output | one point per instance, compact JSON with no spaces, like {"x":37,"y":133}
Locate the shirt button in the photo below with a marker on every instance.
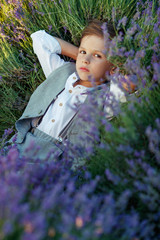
{"x":61,"y":104}
{"x":53,"y":120}
{"x":74,"y":78}
{"x":70,"y":91}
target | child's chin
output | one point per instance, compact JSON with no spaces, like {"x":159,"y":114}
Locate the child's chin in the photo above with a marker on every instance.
{"x":83,"y":78}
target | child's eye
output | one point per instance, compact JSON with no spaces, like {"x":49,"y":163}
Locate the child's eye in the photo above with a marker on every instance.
{"x":97,"y":55}
{"x":83,"y":52}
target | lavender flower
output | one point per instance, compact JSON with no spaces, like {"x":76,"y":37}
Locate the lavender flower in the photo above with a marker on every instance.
{"x":154,"y":140}
{"x":49,"y":27}
{"x":122,"y":21}
{"x":65,"y":29}
{"x":107,"y":187}
{"x":69,"y":9}
{"x":156,"y":76}
{"x":111,"y":177}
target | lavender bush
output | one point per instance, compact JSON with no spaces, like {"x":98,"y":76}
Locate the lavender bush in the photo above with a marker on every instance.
{"x":45,"y":200}
{"x":113,"y":193}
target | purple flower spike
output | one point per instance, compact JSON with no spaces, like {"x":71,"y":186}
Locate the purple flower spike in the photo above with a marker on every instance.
{"x":69,"y":9}
{"x":49,"y":27}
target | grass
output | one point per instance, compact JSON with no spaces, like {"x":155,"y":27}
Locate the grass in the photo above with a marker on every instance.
{"x":20,"y":70}
{"x":130,"y":147}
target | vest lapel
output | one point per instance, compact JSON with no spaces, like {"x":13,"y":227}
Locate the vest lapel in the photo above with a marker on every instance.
{"x":42,"y":97}
{"x":47,"y":91}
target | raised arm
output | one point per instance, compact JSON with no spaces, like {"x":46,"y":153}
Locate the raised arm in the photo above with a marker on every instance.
{"x":68,"y":49}
{"x":47,"y":48}
{"x":128,"y":85}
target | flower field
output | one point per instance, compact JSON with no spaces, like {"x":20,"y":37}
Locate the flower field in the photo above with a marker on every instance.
{"x":114,"y":192}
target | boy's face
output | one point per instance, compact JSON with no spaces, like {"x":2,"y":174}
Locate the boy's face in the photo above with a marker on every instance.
{"x":91,"y":60}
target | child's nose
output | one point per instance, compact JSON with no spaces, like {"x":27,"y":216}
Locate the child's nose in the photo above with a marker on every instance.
{"x":86,"y":59}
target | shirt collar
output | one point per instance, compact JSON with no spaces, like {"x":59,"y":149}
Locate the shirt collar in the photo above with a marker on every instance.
{"x":74,"y":77}
{"x":71,"y":80}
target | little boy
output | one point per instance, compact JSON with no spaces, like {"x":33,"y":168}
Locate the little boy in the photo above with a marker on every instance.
{"x":50,"y":116}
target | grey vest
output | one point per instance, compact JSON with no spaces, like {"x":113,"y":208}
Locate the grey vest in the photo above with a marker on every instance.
{"x":42,"y":97}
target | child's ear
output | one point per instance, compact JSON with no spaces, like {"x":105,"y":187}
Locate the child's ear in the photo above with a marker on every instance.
{"x":112,"y":71}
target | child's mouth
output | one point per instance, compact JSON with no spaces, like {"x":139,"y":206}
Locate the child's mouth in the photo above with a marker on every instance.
{"x":84,"y":69}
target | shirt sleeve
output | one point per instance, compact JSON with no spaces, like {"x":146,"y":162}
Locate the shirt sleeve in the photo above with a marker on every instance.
{"x":115,"y":96}
{"x":47,"y":49}
{"x":117,"y":92}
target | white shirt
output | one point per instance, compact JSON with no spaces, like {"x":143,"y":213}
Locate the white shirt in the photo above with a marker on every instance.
{"x":65,"y":106}
{"x":63,"y":109}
